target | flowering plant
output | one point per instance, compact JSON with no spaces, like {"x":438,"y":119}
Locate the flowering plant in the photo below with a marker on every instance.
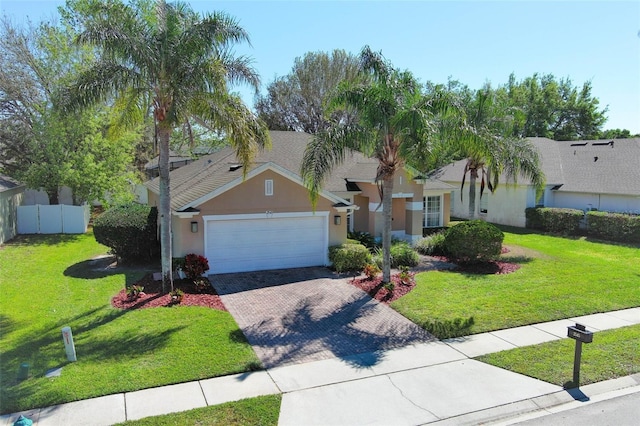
{"x":195,"y":265}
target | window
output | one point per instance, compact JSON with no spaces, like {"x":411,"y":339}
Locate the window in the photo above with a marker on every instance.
{"x":268,"y":187}
{"x":431,"y":211}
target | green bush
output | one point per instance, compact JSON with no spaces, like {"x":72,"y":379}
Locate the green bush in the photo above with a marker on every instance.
{"x":365,"y":238}
{"x":614,"y":226}
{"x":349,"y":257}
{"x":432,"y":245}
{"x":129,"y":230}
{"x":473,"y":241}
{"x":402,"y":254}
{"x":556,"y":220}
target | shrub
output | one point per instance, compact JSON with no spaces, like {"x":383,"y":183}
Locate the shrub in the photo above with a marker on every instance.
{"x":129,"y":230}
{"x":365,"y":238}
{"x":614,"y":226}
{"x":432,"y":245}
{"x":557,"y":220}
{"x":349,"y":257}
{"x":402,"y":254}
{"x":195,"y":265}
{"x":371,"y":270}
{"x":473,"y":241}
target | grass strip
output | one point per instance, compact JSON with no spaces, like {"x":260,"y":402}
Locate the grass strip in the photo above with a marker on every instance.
{"x":259,"y":411}
{"x":613,"y":353}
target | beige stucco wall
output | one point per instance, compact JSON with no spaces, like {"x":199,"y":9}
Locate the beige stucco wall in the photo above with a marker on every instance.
{"x":249,"y":198}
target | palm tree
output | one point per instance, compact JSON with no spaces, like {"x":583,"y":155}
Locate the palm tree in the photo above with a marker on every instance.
{"x":394,"y":121}
{"x":491,"y":150}
{"x":168,"y":59}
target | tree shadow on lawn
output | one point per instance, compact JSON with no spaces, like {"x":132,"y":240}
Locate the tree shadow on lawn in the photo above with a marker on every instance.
{"x":42,"y":239}
{"x":355,"y":331}
{"x":43,"y":349}
{"x":95,"y":350}
{"x":103,"y":267}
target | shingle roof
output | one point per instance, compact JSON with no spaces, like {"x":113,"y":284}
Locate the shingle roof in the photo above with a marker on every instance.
{"x":593,"y":166}
{"x":211,"y":172}
{"x":601,"y":166}
{"x":7,"y":183}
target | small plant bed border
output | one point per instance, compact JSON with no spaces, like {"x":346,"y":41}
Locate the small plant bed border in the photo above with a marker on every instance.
{"x":377,"y":290}
{"x":152,"y":297}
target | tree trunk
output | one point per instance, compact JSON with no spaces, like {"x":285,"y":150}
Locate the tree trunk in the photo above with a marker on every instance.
{"x":472,"y":194}
{"x":53,"y":196}
{"x":387,"y":205}
{"x":164,"y":209}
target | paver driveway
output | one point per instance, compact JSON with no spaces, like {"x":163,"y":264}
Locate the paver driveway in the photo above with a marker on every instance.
{"x":307,"y":314}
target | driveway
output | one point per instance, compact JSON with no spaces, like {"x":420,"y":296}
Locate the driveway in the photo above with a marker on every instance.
{"x":299,"y":315}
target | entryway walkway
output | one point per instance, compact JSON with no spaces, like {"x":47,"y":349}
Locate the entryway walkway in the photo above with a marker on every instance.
{"x":308,"y":314}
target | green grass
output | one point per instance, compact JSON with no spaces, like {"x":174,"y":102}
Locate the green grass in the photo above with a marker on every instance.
{"x":559,"y":278}
{"x":47,"y":282}
{"x":262,"y":411}
{"x":613,"y":353}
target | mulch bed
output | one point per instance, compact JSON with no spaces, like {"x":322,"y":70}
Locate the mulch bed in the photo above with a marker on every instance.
{"x":152,"y":297}
{"x":375,"y":289}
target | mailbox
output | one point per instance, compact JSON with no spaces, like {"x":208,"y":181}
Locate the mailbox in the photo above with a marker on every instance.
{"x":580,"y":333}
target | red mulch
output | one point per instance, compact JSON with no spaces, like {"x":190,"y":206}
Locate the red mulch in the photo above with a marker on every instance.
{"x":375,"y":289}
{"x":152,"y":297}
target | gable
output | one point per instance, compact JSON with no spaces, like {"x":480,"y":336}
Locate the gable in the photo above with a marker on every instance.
{"x":249,"y":196}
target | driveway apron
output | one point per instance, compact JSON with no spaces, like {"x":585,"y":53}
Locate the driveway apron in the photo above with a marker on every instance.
{"x":307,"y":314}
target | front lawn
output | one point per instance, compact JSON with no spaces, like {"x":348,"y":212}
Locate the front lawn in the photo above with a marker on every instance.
{"x":559,"y":278}
{"x":48,"y":282}
{"x":613,"y":353}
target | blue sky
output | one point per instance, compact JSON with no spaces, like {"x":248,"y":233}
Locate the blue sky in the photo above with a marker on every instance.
{"x":471,"y":41}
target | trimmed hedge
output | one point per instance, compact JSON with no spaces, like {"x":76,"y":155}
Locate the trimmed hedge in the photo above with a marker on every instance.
{"x":473,"y":241}
{"x":613,"y":226}
{"x":349,"y":257}
{"x":129,"y":230}
{"x":556,"y":220}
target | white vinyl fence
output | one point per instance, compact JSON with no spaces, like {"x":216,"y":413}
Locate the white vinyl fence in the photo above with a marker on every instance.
{"x":53,"y":219}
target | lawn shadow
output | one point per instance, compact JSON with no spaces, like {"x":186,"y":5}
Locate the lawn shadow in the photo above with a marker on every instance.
{"x":105,"y":266}
{"x":42,"y":239}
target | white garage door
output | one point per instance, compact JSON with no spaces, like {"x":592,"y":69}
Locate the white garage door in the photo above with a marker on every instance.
{"x":242,"y":243}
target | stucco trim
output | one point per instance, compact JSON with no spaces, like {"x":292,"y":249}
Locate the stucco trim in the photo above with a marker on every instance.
{"x":255,"y":172}
{"x":414,"y":205}
{"x":402,"y":195}
{"x":265,"y":215}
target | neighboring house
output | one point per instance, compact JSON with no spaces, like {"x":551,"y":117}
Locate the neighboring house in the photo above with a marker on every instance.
{"x":11,"y":194}
{"x":586,"y":175}
{"x":176,"y":160}
{"x":266,"y":221}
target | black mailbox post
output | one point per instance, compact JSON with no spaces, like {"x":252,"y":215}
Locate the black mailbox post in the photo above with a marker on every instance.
{"x":581,"y":335}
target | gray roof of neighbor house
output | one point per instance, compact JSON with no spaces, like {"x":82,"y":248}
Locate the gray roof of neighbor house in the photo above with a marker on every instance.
{"x":211,"y":172}
{"x":593,"y":166}
{"x":7,"y":183}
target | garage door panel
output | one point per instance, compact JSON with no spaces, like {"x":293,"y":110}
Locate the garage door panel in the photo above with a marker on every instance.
{"x":236,"y":245}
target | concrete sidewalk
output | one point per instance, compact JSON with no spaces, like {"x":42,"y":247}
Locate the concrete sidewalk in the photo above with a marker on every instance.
{"x":433,"y":382}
